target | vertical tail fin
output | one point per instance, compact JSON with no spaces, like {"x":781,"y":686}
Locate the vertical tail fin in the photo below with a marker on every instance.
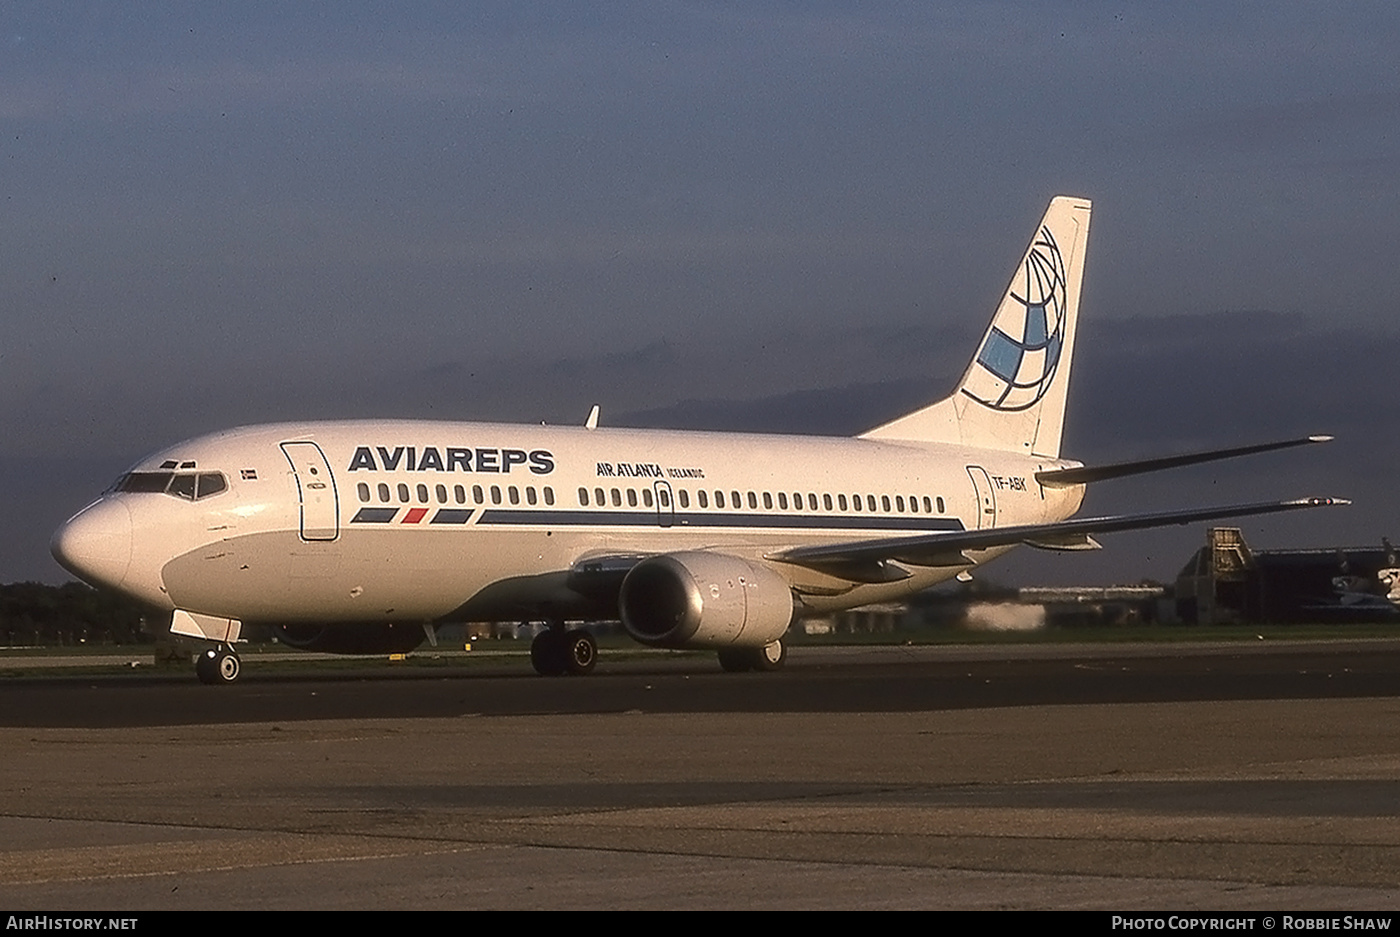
{"x":1012,"y":396}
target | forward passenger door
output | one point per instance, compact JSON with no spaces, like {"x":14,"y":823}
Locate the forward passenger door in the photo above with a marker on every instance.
{"x":320,"y":503}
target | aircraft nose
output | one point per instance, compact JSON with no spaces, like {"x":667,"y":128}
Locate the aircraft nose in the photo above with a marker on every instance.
{"x":95,"y":543}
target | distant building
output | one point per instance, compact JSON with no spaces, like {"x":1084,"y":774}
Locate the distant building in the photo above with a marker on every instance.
{"x":1226,"y":581}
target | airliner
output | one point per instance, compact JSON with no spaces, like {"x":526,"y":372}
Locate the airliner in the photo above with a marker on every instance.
{"x":364,"y":536}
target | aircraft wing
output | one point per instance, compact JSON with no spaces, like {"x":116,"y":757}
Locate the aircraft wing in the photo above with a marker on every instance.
{"x":869,"y":560}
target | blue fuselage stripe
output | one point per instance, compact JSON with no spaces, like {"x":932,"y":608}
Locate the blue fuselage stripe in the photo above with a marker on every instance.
{"x":717,"y":519}
{"x":452,"y":516}
{"x":651,"y":519}
{"x":374,"y":516}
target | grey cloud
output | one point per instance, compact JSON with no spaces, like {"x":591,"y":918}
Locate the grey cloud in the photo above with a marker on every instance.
{"x":1302,"y":126}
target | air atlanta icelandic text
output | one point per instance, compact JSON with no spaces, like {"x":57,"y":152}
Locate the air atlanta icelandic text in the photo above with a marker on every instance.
{"x":449,"y":459}
{"x":645,"y":470}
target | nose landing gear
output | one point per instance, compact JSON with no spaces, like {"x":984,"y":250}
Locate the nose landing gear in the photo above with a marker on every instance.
{"x":217,"y":665}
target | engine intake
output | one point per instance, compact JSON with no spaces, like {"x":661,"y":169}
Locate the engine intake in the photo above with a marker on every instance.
{"x":704,"y":600}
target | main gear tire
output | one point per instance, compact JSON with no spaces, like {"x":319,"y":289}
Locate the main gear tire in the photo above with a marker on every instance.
{"x":580,"y":653}
{"x":547,"y":654}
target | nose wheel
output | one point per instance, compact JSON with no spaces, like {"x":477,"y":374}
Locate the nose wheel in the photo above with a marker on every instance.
{"x":216,"y":665}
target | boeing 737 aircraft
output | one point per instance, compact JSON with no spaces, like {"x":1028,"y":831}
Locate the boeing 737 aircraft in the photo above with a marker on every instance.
{"x":361,"y":537}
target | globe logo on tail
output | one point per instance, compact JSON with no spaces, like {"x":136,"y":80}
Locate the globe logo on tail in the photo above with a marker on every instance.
{"x":1021,"y":353}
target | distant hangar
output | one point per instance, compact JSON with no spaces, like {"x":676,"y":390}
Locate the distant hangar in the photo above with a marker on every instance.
{"x":1227,"y":581}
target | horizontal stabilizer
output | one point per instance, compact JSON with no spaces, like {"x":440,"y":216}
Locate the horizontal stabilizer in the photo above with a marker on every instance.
{"x":1063,"y":478}
{"x":933,"y":549}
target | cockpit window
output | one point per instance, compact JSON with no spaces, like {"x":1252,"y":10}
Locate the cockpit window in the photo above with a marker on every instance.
{"x":145,"y":481}
{"x":182,"y":486}
{"x":187,"y":485}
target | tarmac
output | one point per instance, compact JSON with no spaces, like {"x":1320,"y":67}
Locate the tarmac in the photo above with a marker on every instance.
{"x":1262,"y":777}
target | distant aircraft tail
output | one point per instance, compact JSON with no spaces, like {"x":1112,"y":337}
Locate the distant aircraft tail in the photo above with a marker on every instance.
{"x":1012,"y":396}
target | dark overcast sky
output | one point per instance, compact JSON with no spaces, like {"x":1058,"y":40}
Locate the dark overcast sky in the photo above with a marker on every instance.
{"x":791,"y":216}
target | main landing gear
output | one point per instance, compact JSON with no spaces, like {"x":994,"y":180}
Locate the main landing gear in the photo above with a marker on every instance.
{"x":764,"y":659}
{"x":556,"y":652}
{"x":218,"y":664}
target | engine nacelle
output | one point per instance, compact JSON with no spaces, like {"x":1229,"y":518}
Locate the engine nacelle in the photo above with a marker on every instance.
{"x":701,"y":600}
{"x":351,"y":637}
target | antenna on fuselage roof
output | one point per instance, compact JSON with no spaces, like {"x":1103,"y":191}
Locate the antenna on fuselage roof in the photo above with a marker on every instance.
{"x":592,"y":421}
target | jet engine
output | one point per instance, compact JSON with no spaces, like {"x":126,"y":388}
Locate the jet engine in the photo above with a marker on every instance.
{"x":351,"y":637}
{"x":697,"y":599}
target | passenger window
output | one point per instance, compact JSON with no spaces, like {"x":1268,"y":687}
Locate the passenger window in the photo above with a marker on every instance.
{"x":583,"y":497}
{"x":646,"y":497}
{"x":841,"y":499}
{"x":495,"y":494}
{"x":478,"y":495}
{"x":826,"y":502}
{"x":384,"y":492}
{"x":403,"y":493}
{"x":719,"y":499}
{"x":441,"y":494}
{"x":899,"y":503}
{"x":616,"y":498}
{"x":682,"y":494}
{"x":530,"y":497}
{"x":855,"y":502}
{"x":602,"y":497}
{"x":631,"y":497}
{"x":753,"y":501}
{"x":459,"y":494}
{"x":870,"y":501}
{"x":423,"y":494}
{"x":363,"y":489}
{"x":884,"y":503}
{"x":514,"y":493}
{"x":940,"y":505}
{"x":703,"y":498}
{"x":548,"y":495}
{"x":782,"y":500}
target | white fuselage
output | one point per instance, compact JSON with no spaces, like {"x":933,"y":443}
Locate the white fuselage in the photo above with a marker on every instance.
{"x":422,"y":521}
